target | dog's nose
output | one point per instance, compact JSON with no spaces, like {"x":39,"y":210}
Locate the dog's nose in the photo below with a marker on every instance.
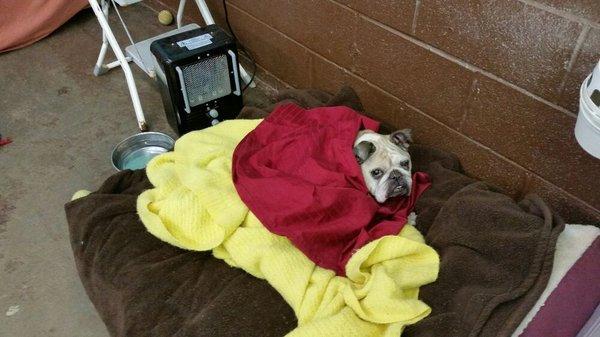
{"x":395,"y":175}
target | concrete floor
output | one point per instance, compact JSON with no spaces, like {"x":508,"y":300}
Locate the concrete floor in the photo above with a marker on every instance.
{"x":64,"y":123}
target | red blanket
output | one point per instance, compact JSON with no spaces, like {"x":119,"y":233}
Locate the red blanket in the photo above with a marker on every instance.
{"x":297,"y":173}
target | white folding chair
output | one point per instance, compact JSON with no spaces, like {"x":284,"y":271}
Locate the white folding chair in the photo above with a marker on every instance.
{"x":140,"y":52}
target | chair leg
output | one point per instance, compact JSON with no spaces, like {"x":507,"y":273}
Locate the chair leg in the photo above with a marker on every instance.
{"x":100,"y":68}
{"x":205,"y":12}
{"x":180,"y":10}
{"x":122,"y":60}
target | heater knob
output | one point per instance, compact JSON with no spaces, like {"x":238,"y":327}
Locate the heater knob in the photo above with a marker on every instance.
{"x":213,"y":113}
{"x":214,"y":122}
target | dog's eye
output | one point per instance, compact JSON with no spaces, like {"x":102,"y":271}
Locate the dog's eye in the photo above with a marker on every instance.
{"x":405,"y":164}
{"x":376,"y":173}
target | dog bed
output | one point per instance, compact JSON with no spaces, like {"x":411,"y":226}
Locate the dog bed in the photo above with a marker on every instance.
{"x":496,"y":257}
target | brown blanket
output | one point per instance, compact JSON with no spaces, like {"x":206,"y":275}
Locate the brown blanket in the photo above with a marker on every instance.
{"x":496,"y":257}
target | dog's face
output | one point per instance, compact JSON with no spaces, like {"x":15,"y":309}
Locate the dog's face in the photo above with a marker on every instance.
{"x":385,"y":163}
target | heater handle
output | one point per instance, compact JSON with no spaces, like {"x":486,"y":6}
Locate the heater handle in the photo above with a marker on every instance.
{"x":183,"y":90}
{"x":236,"y":76}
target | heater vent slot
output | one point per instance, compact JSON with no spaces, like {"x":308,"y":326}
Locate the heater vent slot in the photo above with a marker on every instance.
{"x":207,"y":80}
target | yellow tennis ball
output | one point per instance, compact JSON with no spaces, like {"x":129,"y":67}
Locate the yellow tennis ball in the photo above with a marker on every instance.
{"x":165,"y":17}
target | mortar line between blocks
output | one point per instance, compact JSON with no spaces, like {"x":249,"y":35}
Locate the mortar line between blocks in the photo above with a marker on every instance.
{"x":580,"y":40}
{"x":413,"y":27}
{"x":149,"y":6}
{"x":468,"y":66}
{"x":561,"y":13}
{"x":467,"y":106}
{"x":421,"y":44}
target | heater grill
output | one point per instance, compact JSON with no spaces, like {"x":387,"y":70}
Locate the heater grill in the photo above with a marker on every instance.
{"x":207,"y":80}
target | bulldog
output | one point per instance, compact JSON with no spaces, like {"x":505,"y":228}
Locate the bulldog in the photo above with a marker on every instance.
{"x":385,"y":163}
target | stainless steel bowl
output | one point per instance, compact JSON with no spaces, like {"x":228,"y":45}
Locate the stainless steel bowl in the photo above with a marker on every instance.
{"x":136,"y":151}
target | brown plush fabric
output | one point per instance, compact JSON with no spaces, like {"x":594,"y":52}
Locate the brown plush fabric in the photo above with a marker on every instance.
{"x":309,"y":98}
{"x":144,"y":287}
{"x":496,"y":257}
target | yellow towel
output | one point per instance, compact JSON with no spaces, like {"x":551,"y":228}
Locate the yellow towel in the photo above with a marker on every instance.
{"x":194,"y":205}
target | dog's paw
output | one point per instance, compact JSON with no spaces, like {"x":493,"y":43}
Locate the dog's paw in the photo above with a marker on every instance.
{"x":412,"y":219}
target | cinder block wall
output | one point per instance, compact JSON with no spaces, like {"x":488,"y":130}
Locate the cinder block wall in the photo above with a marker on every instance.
{"x":495,"y":82}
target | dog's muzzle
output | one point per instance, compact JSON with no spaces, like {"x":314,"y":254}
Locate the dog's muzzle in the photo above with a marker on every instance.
{"x":398,"y":184}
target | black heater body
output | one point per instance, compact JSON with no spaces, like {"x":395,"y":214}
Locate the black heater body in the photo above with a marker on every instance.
{"x":198,"y":78}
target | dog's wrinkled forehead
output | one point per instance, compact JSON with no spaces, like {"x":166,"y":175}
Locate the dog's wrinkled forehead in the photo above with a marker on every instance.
{"x":394,"y":146}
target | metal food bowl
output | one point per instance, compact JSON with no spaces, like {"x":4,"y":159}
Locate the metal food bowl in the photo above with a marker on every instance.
{"x":135,"y":152}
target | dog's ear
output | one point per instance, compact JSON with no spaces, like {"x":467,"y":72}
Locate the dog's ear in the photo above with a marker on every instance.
{"x":363,"y":150}
{"x":402,"y":137}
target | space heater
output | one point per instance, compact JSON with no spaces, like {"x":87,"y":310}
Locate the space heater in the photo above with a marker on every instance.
{"x":198,"y":77}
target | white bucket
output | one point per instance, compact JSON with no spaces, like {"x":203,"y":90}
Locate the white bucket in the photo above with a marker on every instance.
{"x":587,"y":129}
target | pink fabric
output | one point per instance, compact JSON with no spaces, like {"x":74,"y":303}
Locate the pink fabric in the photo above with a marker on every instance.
{"x":297,"y":173}
{"x":23,"y":22}
{"x":573,"y":301}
